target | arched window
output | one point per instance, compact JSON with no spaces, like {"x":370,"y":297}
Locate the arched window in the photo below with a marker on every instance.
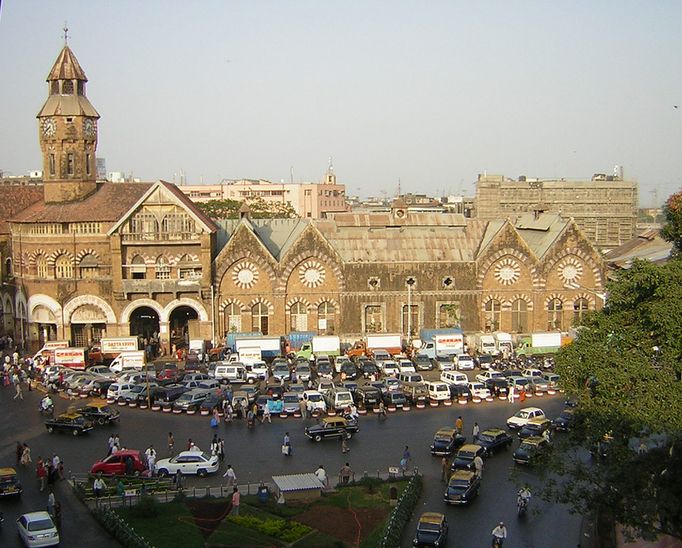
{"x":41,"y":266}
{"x":232,"y":318}
{"x":580,"y":306}
{"x":138,"y":270}
{"x":162,"y":270}
{"x":63,"y":267}
{"x":326,"y":318}
{"x":299,"y":316}
{"x":519,"y":316}
{"x":259,"y":318}
{"x":493,"y":312}
{"x":88,"y":267}
{"x":8,"y":267}
{"x":555,"y":310}
{"x":374,"y":322}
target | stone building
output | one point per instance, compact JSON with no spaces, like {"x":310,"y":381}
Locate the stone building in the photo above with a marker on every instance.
{"x":87,"y":258}
{"x":605,"y":207}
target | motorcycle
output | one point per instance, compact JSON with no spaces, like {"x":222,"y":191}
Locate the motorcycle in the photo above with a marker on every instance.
{"x":521,"y":506}
{"x":497,"y":542}
{"x":49,"y":410}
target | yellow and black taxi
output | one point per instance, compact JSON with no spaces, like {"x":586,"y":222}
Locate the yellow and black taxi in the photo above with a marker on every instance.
{"x":462,"y":487}
{"x":464,"y":458}
{"x":494,"y":439}
{"x":564,"y":421}
{"x":535,"y":427}
{"x":332,"y":427}
{"x":445,"y":441}
{"x":432,"y":530}
{"x":71,"y":422}
{"x":530,"y":450}
{"x":9,"y":483}
{"x":99,"y":412}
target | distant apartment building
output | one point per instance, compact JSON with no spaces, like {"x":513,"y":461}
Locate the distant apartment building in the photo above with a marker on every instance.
{"x":309,"y":200}
{"x":605,"y":207}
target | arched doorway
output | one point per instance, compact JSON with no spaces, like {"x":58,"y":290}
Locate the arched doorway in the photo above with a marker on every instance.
{"x":180,"y":324}
{"x":144,"y":322}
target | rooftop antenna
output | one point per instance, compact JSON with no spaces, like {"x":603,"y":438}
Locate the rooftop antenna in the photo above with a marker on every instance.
{"x":331,"y":164}
{"x":66,"y":33}
{"x":291,"y":174}
{"x":398,"y":186}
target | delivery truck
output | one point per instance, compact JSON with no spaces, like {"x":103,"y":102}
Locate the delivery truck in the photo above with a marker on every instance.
{"x":328,"y":345}
{"x":128,"y":359}
{"x":75,"y":358}
{"x":45,"y":356}
{"x":270,"y":346}
{"x":110,"y":347}
{"x":392,"y":343}
{"x":540,"y":343}
{"x":441,"y":342}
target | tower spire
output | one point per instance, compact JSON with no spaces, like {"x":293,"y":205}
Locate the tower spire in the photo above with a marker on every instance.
{"x":66,"y":34}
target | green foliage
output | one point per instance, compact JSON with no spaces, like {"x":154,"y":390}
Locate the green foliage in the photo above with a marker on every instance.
{"x":370,"y":483}
{"x":402,"y":513}
{"x":259,"y":209}
{"x":672,"y":231}
{"x":147,"y":507}
{"x":624,"y":371}
{"x":119,"y":528}
{"x":288,"y":531}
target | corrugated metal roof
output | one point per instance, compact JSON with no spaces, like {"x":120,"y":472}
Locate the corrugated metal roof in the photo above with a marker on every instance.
{"x":297,"y":482}
{"x":541,"y":231}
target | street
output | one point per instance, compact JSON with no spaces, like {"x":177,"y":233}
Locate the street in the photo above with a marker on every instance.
{"x":256,"y":455}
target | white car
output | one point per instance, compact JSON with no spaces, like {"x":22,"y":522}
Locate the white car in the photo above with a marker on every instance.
{"x":324,"y":386}
{"x":478,"y":390}
{"x":490,"y":374}
{"x":389,"y":367}
{"x":314,"y":400}
{"x":101,"y":370}
{"x":406,"y":366}
{"x":392,"y":384}
{"x":465,"y":362}
{"x":532,"y":373}
{"x":188,"y":463}
{"x":521,"y":418}
{"x":116,"y":390}
{"x":438,"y":390}
{"x":37,"y":529}
{"x":445,"y":363}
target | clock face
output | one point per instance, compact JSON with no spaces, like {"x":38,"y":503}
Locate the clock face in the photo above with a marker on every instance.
{"x":89,"y":128}
{"x":49,"y":127}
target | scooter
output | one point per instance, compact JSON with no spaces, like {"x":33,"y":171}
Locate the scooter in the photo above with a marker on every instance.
{"x":49,"y":410}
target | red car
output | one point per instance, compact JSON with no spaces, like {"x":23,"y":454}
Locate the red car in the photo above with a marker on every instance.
{"x":168,"y":374}
{"x":116,"y":464}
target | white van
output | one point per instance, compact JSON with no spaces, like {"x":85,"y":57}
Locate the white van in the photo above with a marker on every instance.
{"x":438,"y":390}
{"x":233,"y":372}
{"x":134,"y":359}
{"x":116,"y":390}
{"x":339,"y":399}
{"x":452,"y":377}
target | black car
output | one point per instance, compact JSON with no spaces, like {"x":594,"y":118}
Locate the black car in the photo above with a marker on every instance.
{"x":395,"y":398}
{"x":564,"y":422}
{"x":423,"y":363}
{"x":99,"y":413}
{"x":368,"y":369}
{"x":497,"y":386}
{"x":349,"y":371}
{"x":100,"y":387}
{"x":464,"y":459}
{"x":446,"y":441}
{"x":324,"y":369}
{"x":169,"y":393}
{"x":530,"y":450}
{"x":332,"y":427}
{"x":432,"y":530}
{"x":535,"y":427}
{"x":70,"y":422}
{"x":351,"y":386}
{"x":380,"y":386}
{"x":368,"y":396}
{"x":458,"y":391}
{"x":212,"y":401}
{"x":462,"y":487}
{"x":493,"y":439}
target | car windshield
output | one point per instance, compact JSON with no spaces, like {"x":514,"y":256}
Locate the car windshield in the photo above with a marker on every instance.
{"x":290,"y":398}
{"x":343,"y":397}
{"x":185,"y":397}
{"x":462,"y":484}
{"x":315,"y":397}
{"x":486,"y":437}
{"x":426,"y":527}
{"x":465,"y":455}
{"x":40,"y":525}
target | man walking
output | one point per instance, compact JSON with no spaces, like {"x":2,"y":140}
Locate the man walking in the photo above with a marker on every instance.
{"x":19,"y":392}
{"x":444,"y":469}
{"x":475,"y":431}
{"x":286,"y":445}
{"x":345,"y":473}
{"x":230,"y":475}
{"x":459,"y":424}
{"x":478,"y":465}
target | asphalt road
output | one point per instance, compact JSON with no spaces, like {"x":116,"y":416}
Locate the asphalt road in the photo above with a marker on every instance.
{"x":256,"y":455}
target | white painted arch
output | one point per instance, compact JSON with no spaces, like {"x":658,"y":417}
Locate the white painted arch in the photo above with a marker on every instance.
{"x":128,"y":310}
{"x":48,"y":302}
{"x":93,"y":300}
{"x":196,"y":305}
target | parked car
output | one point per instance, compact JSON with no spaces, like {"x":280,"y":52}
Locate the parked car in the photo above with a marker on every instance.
{"x":325,"y":370}
{"x":115,"y":465}
{"x":100,"y":371}
{"x":332,"y":427}
{"x":367,"y":396}
{"x":452,"y":377}
{"x":462,"y":487}
{"x":406,"y":366}
{"x":188,"y":463}
{"x":37,"y":529}
{"x":465,"y":363}
{"x":438,"y":390}
{"x":369,"y":369}
{"x":389,"y":367}
{"x":497,"y":386}
{"x":349,"y":371}
{"x":168,"y":393}
{"x":535,"y":427}
{"x":464,"y":459}
{"x":479,"y":390}
{"x":565,"y":420}
{"x":303,"y":372}
{"x":445,"y":363}
{"x":445,"y":441}
{"x":70,"y":422}
{"x":423,"y":363}
{"x":9,"y":483}
{"x":314,"y":401}
{"x":494,"y":439}
{"x":416,"y":393}
{"x":521,"y":417}
{"x":392,"y":384}
{"x":490,"y":374}
{"x":458,"y":391}
{"x":191,"y":399}
{"x":290,"y":401}
{"x":395,"y":398}
{"x":213,"y":401}
{"x":530,"y":450}
{"x":486,"y":361}
{"x":432,"y":530}
{"x":552,"y":380}
{"x":531,"y":373}
{"x":99,"y":412}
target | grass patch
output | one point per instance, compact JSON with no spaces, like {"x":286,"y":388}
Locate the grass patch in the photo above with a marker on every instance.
{"x":372,"y":540}
{"x":281,"y":510}
{"x":318,"y":540}
{"x":360,"y":497}
{"x":173,"y":526}
{"x":231,"y":534}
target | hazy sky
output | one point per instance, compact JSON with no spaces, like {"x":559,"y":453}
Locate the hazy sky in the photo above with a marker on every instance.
{"x":428,"y":93}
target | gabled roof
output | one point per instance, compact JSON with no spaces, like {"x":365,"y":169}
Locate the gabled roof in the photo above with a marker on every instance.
{"x":169,"y":190}
{"x":540,"y":231}
{"x":14,"y":200}
{"x":276,"y":235}
{"x":108,"y":203}
{"x":66,"y":67}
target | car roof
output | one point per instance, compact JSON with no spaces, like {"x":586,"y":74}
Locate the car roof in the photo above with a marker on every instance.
{"x":470,"y":447}
{"x":494,"y":431}
{"x":538,"y":420}
{"x":534,"y":440}
{"x":8,"y":471}
{"x":462,"y":475}
{"x":432,"y":517}
{"x":531,"y":409}
{"x":69,"y":415}
{"x":446,"y":432}
{"x":34,"y":516}
{"x":98,"y":404}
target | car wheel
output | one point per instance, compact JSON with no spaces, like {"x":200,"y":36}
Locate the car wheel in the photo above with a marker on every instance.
{"x":163,"y":472}
{"x":318,"y":438}
{"x":101,"y":421}
{"x":50,"y":430}
{"x":250,"y":381}
{"x":75,"y":433}
{"x":201,"y":473}
{"x":348,"y":435}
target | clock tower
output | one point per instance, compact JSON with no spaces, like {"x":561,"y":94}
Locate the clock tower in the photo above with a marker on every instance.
{"x":68,"y":133}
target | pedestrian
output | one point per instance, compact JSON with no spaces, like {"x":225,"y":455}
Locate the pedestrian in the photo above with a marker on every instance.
{"x":303,"y":406}
{"x":321,"y":474}
{"x":221,"y":450}
{"x":228,"y":412}
{"x":110,"y":443}
{"x":117,"y":441}
{"x":190,"y":444}
{"x":267,"y":416}
{"x":41,"y":474}
{"x":51,"y":475}
{"x":98,"y":486}
{"x":522,"y":394}
{"x":230,"y":475}
{"x":19,"y":392}
{"x":345,"y":473}
{"x":171,"y":443}
{"x":459,"y":425}
{"x":286,"y":445}
{"x":475,"y":431}
{"x":235,"y":501}
{"x":215,"y":419}
{"x":478,"y":465}
{"x":50,"y":503}
{"x":344,"y":444}
{"x":150,"y":453}
{"x":20,"y":451}
{"x":445,"y":468}
{"x":382,"y":410}
{"x":56,"y":462}
{"x":26,"y":455}
{"x":546,"y":435}
{"x":510,"y":396}
{"x":178,"y":480}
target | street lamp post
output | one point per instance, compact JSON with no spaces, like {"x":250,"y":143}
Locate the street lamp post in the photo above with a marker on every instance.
{"x":410,"y":282}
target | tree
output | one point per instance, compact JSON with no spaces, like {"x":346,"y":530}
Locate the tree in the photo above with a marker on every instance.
{"x":672,"y":231}
{"x":623,"y":370}
{"x":259,"y":209}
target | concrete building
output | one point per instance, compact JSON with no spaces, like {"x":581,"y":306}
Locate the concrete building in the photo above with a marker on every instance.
{"x":605,"y":207}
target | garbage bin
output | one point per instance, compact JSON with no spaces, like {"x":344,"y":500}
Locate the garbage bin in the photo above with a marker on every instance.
{"x":263,"y":494}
